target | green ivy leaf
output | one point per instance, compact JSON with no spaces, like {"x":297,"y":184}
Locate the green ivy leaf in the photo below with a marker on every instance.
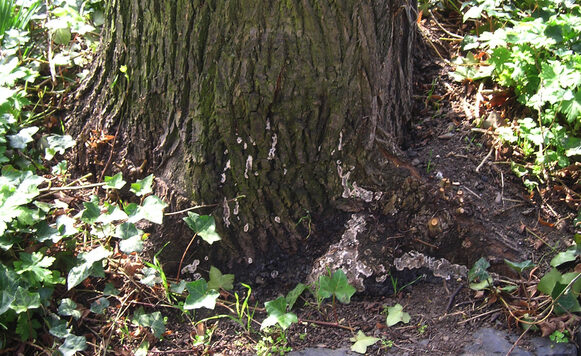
{"x":26,"y":327}
{"x":203,"y":225}
{"x":142,"y":187}
{"x":564,"y":257}
{"x":68,"y":307}
{"x":395,"y":315}
{"x":200,"y":296}
{"x":6,"y":299}
{"x":24,"y":300}
{"x":100,"y":305}
{"x":91,"y":212}
{"x":219,"y":280}
{"x":34,"y":266}
{"x":73,"y":344}
{"x":22,"y":138}
{"x":567,"y":302}
{"x":111,"y":290}
{"x":91,"y":264}
{"x":277,"y":314}
{"x":115,"y":182}
{"x":336,"y":285}
{"x":152,"y":209}
{"x":478,"y":275}
{"x":178,"y":288}
{"x":130,"y":237}
{"x":59,"y":328}
{"x":155,"y":321}
{"x":362,"y":342}
{"x":519,"y":267}
{"x":293,"y":295}
{"x":547,"y":283}
{"x":56,"y":144}
{"x":151,"y":276}
{"x":142,"y":349}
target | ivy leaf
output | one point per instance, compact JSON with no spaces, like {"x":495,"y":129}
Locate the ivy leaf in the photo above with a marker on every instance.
{"x":294,"y":294}
{"x":73,"y":344}
{"x":111,"y":290}
{"x":22,"y":138}
{"x":34,"y":266}
{"x":564,"y":257}
{"x":91,"y":264}
{"x":91,"y":212}
{"x":26,"y":327}
{"x":219,"y":280}
{"x":336,"y":285}
{"x":178,"y":288}
{"x":56,"y":144}
{"x":152,"y":209}
{"x":519,"y":267}
{"x":203,"y":225}
{"x":395,"y":315}
{"x":6,"y":298}
{"x":277,"y":314}
{"x":142,"y":349}
{"x":100,"y":305}
{"x":142,"y":187}
{"x":200,"y":296}
{"x":115,"y":182}
{"x":547,"y":283}
{"x":362,"y":342}
{"x":58,"y":328}
{"x":25,"y":300}
{"x":478,"y":275}
{"x":130,"y":237}
{"x":68,"y":307}
{"x":151,"y":276}
{"x":155,"y":321}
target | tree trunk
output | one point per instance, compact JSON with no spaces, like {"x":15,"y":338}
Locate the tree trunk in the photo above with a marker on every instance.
{"x":297,"y":105}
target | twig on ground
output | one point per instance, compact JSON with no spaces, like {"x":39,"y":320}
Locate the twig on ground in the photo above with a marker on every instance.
{"x":326,"y":323}
{"x":443,"y":29}
{"x":452,"y":297}
{"x":480,"y":315}
{"x":485,"y":159}
{"x":470,"y":191}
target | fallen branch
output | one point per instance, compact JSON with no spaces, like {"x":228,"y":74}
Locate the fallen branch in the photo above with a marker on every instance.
{"x":325,"y":323}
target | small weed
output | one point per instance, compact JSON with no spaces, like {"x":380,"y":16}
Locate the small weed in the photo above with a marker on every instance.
{"x":429,"y":165}
{"x":272,"y":342}
{"x":387,"y":344}
{"x":422,"y":328}
{"x":559,"y":336}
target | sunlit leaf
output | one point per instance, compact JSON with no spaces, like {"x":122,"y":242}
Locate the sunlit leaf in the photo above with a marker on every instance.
{"x":361,"y":342}
{"x":277,"y":314}
{"x":200,"y":296}
{"x":395,"y":315}
{"x":203,"y":225}
{"x":142,"y":187}
{"x":219,"y":280}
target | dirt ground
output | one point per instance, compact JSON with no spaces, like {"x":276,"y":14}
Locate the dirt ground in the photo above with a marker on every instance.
{"x":443,"y":313}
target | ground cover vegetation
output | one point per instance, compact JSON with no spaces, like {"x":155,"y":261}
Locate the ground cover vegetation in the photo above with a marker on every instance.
{"x":524,"y":58}
{"x":72,"y":276}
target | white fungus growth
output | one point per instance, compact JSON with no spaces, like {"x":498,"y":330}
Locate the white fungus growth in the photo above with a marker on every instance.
{"x":239,"y":140}
{"x":340,"y":141}
{"x":277,"y":219}
{"x":191,"y":268}
{"x":248,"y":166}
{"x":226,"y":208}
{"x":272,"y":150}
{"x":246,"y":227}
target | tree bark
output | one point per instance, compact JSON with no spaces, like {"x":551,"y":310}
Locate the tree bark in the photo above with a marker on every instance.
{"x":297,"y":105}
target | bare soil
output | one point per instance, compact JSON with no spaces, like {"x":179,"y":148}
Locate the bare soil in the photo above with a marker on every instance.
{"x":443,"y":313}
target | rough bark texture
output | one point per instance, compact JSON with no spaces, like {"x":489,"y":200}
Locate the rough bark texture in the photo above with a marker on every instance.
{"x":294,"y":104}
